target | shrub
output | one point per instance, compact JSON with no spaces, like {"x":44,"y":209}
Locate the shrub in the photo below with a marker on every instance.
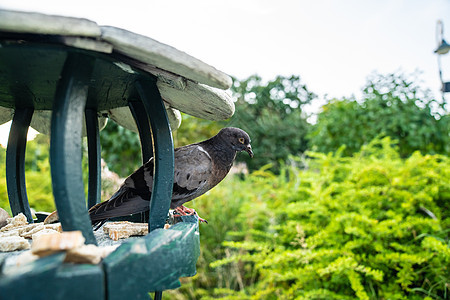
{"x":272,"y":114}
{"x":37,"y":176}
{"x":371,"y":226}
{"x":392,"y":105}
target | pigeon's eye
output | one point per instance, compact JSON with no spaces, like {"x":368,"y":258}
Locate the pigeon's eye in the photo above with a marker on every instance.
{"x":241,"y":140}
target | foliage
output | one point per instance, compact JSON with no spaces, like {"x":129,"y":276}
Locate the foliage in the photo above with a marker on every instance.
{"x":37,"y":176}
{"x":194,"y":130}
{"x":392,"y":106}
{"x":371,"y":226}
{"x":3,"y":192}
{"x":121,"y":149}
{"x":272,"y":115}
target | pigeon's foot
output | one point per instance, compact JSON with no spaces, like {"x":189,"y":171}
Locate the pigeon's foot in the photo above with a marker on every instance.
{"x":185,"y":211}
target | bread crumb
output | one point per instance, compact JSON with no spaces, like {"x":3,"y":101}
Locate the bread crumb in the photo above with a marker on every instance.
{"x":3,"y":217}
{"x":47,"y":244}
{"x":13,"y":243}
{"x":27,"y":233}
{"x":52,"y":218}
{"x":43,"y":232}
{"x":125,"y":229}
{"x":19,"y":220}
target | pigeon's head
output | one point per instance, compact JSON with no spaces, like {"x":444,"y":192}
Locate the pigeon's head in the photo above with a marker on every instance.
{"x":237,"y":138}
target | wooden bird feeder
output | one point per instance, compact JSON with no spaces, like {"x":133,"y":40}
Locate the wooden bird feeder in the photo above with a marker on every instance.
{"x":64,"y":76}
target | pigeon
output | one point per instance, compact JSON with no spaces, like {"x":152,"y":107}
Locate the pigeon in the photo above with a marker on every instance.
{"x":198,"y":168}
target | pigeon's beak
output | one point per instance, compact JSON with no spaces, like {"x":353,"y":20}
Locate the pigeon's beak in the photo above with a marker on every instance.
{"x":249,"y":150}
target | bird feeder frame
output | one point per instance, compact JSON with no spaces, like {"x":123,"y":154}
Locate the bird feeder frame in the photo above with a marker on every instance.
{"x":80,"y":76}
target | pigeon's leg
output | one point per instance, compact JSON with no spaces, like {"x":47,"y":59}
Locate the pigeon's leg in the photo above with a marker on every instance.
{"x":185,"y":211}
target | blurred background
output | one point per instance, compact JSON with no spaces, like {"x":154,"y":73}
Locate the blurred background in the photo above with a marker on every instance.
{"x":348,"y":195}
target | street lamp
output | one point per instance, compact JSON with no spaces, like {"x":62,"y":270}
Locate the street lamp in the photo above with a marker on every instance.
{"x":443,"y":48}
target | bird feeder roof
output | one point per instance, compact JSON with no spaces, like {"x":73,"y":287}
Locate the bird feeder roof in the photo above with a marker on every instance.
{"x":185,"y":83}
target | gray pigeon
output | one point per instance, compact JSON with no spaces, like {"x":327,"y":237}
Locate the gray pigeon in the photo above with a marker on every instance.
{"x":198,"y":168}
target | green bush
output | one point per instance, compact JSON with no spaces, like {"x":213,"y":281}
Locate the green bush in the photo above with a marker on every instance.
{"x":121,"y":149}
{"x":3,"y":192}
{"x":392,"y":105}
{"x":38,"y":175}
{"x":371,"y":226}
{"x":272,"y":114}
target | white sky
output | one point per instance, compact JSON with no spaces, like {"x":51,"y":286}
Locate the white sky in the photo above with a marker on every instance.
{"x":332,"y":45}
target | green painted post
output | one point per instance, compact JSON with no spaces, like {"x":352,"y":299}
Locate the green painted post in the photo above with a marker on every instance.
{"x":163,"y":152}
{"x":94,"y":157}
{"x":65,"y":144}
{"x":141,"y":118}
{"x":163,"y":155}
{"x":15,"y":163}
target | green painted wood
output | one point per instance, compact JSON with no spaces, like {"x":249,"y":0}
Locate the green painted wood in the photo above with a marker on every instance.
{"x":163,"y":152}
{"x":154,"y":262}
{"x":94,"y":157}
{"x":22,"y":76}
{"x":48,"y":278}
{"x":15,"y":163}
{"x":137,"y":109}
{"x":65,"y":144}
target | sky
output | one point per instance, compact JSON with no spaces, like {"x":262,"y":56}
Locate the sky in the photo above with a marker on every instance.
{"x":332,"y":45}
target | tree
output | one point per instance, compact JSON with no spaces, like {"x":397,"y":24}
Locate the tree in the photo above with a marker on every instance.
{"x":392,"y":106}
{"x":121,"y":149}
{"x":193,"y":130}
{"x":272,"y":115}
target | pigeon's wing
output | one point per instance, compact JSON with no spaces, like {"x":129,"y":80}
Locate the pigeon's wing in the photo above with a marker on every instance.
{"x":124,"y":202}
{"x":132,"y":197}
{"x":193,"y":170}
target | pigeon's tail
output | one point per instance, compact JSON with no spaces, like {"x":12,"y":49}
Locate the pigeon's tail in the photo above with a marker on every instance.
{"x":125,"y":201}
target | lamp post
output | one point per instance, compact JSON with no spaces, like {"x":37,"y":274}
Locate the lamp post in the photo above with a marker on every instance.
{"x":442,"y":49}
